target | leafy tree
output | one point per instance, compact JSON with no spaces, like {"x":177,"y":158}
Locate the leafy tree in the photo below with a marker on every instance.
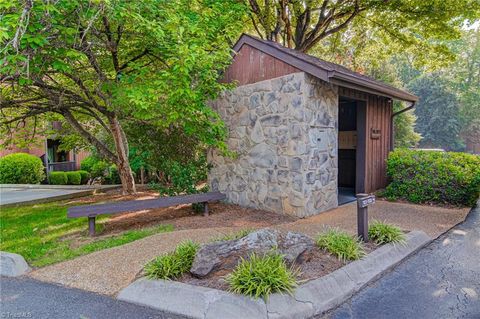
{"x":464,"y":76}
{"x":437,"y":112}
{"x":97,"y":64}
{"x":302,"y":24}
{"x":404,"y":124}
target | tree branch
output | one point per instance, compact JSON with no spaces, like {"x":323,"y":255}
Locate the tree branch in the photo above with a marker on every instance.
{"x":103,"y":149}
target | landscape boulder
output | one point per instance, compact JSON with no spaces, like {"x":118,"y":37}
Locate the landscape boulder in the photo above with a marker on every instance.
{"x":223,"y":255}
{"x":12,"y":265}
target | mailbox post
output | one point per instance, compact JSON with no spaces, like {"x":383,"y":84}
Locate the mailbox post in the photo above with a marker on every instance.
{"x":363,"y":201}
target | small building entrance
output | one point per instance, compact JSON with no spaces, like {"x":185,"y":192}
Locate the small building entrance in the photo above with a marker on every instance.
{"x":349,"y":170}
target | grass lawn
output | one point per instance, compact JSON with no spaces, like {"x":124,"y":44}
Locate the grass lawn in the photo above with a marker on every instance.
{"x":40,"y":233}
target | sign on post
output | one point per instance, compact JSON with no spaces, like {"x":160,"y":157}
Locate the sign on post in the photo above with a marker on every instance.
{"x":363,"y":201}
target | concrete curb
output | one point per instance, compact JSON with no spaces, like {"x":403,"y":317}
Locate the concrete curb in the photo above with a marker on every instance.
{"x":312,"y":298}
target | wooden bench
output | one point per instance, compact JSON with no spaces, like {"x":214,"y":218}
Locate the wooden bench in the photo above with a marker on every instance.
{"x":92,"y":211}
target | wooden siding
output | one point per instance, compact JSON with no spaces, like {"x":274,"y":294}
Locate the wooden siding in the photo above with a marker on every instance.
{"x":251,"y":65}
{"x":80,"y":156}
{"x":378,"y":114}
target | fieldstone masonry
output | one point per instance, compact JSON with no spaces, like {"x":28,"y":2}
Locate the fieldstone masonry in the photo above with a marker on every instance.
{"x":284,"y":134}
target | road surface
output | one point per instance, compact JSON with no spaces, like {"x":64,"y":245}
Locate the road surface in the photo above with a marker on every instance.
{"x":440,"y":281}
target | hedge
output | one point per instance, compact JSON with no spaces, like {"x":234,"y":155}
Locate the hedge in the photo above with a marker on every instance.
{"x":95,"y":166}
{"x":74,"y":178}
{"x":85,"y":176}
{"x":433,"y":177}
{"x":57,"y":178}
{"x":21,"y":168}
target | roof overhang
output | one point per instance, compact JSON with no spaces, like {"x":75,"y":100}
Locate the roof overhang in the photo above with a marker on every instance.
{"x":332,"y":76}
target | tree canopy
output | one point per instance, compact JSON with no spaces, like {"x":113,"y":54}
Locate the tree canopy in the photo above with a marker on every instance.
{"x":302,"y":24}
{"x":97,"y":64}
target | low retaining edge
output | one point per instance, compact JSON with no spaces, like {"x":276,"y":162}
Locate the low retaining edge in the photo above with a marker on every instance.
{"x":312,"y":298}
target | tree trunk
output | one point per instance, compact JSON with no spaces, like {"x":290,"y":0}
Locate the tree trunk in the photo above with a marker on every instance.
{"x":123,"y":165}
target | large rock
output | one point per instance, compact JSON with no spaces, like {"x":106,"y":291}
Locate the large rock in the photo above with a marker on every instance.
{"x":12,"y":265}
{"x":226,"y":254}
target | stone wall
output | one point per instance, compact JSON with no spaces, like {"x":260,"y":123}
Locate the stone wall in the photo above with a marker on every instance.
{"x":284,"y":134}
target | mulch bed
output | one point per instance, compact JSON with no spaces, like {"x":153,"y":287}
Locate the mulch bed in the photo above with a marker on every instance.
{"x":312,"y":264}
{"x":183,"y":217}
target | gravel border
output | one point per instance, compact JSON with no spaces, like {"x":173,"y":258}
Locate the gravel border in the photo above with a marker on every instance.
{"x":312,"y":298}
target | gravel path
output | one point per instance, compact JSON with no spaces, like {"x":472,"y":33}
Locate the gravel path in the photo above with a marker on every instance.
{"x":432,"y":220}
{"x":110,"y":270}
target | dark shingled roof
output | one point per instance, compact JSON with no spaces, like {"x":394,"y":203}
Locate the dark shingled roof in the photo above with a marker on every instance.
{"x":327,"y":71}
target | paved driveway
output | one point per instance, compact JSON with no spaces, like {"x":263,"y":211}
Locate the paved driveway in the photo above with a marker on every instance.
{"x":440,"y":281}
{"x":27,"y":298}
{"x":30,"y":194}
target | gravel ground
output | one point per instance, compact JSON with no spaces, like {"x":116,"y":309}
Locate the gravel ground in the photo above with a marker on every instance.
{"x":432,"y":220}
{"x":110,"y":270}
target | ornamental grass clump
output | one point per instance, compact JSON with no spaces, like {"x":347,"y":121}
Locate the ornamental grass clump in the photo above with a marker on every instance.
{"x":340,"y":244}
{"x":260,"y":276}
{"x":172,"y":265}
{"x":383,"y":233}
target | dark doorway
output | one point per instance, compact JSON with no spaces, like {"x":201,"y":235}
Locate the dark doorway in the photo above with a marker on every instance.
{"x":54,"y":153}
{"x":347,"y":150}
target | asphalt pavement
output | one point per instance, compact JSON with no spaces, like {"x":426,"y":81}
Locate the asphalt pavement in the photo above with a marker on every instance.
{"x":441,"y":281}
{"x":28,"y":298}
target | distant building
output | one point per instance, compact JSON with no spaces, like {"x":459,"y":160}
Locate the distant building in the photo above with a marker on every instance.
{"x":47,"y":149}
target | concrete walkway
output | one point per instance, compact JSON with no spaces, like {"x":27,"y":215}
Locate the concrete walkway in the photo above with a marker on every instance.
{"x":441,"y":281}
{"x":27,"y":298}
{"x":110,"y":270}
{"x":12,"y":195}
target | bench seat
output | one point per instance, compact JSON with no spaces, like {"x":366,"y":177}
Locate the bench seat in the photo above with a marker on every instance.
{"x":91,"y":211}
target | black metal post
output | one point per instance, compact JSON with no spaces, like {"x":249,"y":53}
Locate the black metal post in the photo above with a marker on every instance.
{"x":205,"y":209}
{"x":362,"y":216}
{"x":362,"y":223}
{"x":91,"y":226}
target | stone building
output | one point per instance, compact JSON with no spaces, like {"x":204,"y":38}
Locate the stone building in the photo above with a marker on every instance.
{"x":307,"y":134}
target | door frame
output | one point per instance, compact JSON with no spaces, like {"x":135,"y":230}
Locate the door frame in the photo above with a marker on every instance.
{"x":360,"y":159}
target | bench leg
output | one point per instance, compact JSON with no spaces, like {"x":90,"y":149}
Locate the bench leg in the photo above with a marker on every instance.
{"x":91,"y":226}
{"x":205,"y":209}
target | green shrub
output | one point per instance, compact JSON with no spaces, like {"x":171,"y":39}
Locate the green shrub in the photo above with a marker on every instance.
{"x":180,"y":178}
{"x":340,"y":244}
{"x":85,"y":176}
{"x":172,"y":265}
{"x":383,"y":233}
{"x":260,"y":276}
{"x":437,"y":177}
{"x":21,"y":168}
{"x":88,"y":162}
{"x":57,"y":178}
{"x":73,"y":178}
{"x":112,"y":176}
{"x":95,"y":166}
{"x":100,"y":169}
